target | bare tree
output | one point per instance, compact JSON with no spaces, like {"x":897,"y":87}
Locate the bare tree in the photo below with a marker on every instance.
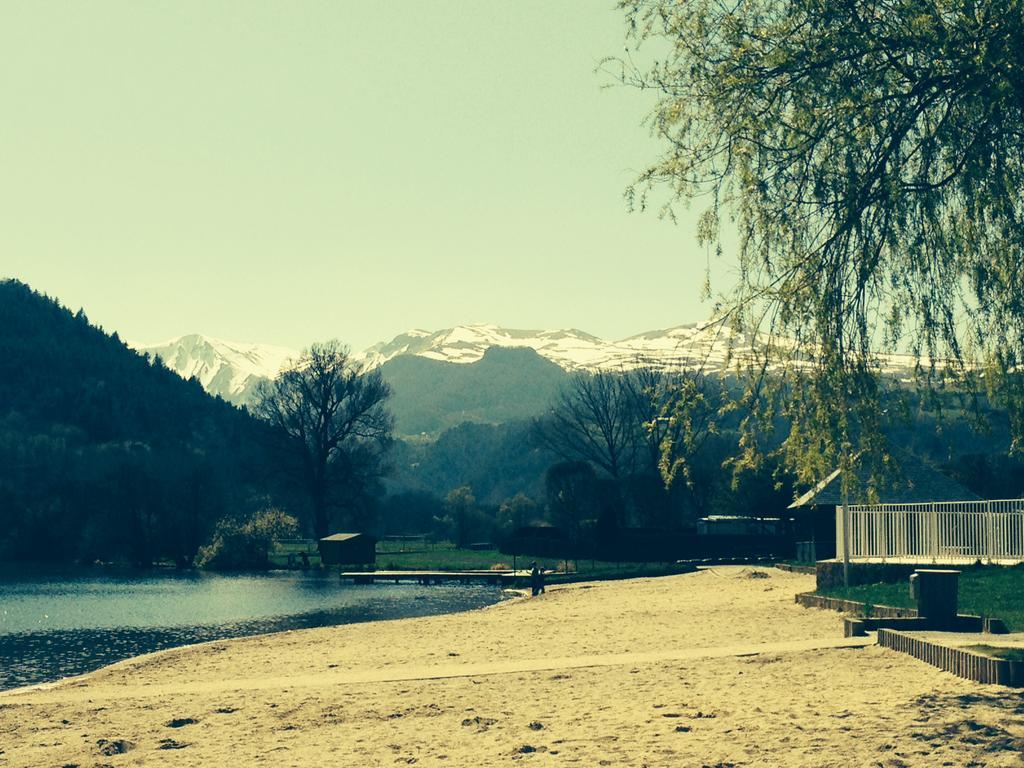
{"x":645,"y":420}
{"x":331,"y":424}
{"x":592,"y":420}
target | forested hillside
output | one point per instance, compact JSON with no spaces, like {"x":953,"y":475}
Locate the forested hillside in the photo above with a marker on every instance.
{"x":504,"y":385}
{"x":105,"y":454}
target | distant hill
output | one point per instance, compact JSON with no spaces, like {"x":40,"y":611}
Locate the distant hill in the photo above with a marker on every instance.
{"x":496,"y":460}
{"x":503,"y":385}
{"x":105,"y":454}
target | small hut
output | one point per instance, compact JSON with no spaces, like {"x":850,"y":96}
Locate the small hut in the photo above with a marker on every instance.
{"x":348,"y":549}
{"x":815,"y":511}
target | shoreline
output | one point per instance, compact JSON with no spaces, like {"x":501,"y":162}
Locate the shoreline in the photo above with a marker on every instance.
{"x":83,"y":678}
{"x":177,"y":636}
{"x":714,"y":667}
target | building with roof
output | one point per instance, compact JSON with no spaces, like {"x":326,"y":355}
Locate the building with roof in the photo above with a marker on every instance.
{"x":915,"y":482}
{"x":348,"y":549}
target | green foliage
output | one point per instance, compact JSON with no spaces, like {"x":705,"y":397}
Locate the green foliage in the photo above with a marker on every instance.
{"x":105,"y":454}
{"x":462,"y":519}
{"x":985,"y":590}
{"x":868,"y":159}
{"x":517,"y":512}
{"x":644,"y":429}
{"x":498,"y":461}
{"x":246,"y":545}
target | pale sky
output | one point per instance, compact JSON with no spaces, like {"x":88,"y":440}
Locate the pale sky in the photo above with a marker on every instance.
{"x":285,"y":172}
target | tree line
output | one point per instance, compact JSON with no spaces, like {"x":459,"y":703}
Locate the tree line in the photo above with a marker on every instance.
{"x":106,"y":455}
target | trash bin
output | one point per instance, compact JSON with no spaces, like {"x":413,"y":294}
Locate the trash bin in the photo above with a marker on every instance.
{"x":936,"y":594}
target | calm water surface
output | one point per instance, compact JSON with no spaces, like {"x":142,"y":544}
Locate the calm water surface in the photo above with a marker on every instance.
{"x":59,"y":623}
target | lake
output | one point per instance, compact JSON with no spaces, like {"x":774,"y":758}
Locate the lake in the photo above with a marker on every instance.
{"x":59,"y":623}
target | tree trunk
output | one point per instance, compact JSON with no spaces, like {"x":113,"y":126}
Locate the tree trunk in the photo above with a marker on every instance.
{"x":321,"y":525}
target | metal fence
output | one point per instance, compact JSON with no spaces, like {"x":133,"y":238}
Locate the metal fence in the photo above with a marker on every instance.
{"x":952,"y":532}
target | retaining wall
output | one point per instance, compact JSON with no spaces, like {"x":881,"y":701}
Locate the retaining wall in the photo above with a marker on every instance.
{"x":791,"y":568}
{"x":811,"y":600}
{"x":960,"y":662}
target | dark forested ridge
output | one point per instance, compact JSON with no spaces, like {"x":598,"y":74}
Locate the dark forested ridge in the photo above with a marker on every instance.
{"x":104,"y":453}
{"x":496,"y":460}
{"x":506,"y":384}
{"x":56,"y":368}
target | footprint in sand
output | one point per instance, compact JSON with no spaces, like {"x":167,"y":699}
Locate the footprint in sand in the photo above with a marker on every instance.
{"x":171,"y":744}
{"x":115,"y":747}
{"x":180,"y":722}
{"x":481,"y":723}
{"x":527,"y":749}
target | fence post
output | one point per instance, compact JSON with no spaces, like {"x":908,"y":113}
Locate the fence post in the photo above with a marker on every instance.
{"x":989,"y":533}
{"x":845,"y":528}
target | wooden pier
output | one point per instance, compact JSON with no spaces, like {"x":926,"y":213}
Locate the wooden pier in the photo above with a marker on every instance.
{"x":503,"y":578}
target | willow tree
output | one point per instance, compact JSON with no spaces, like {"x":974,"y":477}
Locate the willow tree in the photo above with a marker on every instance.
{"x":864,"y":160}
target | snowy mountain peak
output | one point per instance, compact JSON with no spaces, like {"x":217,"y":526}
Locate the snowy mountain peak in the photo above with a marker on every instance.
{"x":467,"y":344}
{"x":230,"y":369}
{"x":703,"y":344}
{"x":233,"y":369}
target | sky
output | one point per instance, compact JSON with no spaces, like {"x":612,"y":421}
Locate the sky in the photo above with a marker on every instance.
{"x":285,"y":172}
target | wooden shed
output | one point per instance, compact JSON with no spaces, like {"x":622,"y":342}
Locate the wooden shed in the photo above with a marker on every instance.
{"x":815,"y":512}
{"x":348,"y":549}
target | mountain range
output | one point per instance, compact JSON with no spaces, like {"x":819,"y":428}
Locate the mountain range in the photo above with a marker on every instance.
{"x":476,"y":373}
{"x":232,"y":369}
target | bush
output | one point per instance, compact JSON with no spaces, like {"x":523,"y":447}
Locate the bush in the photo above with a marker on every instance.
{"x":246,"y":545}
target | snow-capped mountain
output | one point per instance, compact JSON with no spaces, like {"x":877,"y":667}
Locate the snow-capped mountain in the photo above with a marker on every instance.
{"x":230,"y":369}
{"x":707,"y":345}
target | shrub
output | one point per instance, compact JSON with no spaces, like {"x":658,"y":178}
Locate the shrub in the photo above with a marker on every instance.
{"x":246,"y":545}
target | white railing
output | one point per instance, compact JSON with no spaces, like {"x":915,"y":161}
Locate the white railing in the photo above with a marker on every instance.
{"x":938,"y":532}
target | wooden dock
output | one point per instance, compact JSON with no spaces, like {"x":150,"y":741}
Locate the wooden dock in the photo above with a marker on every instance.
{"x":503,"y":578}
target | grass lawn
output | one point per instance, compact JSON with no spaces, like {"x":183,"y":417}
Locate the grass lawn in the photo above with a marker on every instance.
{"x":444,"y":556}
{"x":997,"y":652}
{"x":988,"y":590}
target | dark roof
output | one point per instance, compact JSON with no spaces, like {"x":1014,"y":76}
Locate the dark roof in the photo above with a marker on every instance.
{"x":917,"y":482}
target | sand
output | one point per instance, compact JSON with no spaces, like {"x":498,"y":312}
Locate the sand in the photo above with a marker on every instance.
{"x":716,"y":668}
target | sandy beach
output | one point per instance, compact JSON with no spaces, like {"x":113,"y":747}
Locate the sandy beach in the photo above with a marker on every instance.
{"x":716,"y":668}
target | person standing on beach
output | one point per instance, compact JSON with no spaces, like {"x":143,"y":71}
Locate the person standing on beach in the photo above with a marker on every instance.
{"x":536,"y":579}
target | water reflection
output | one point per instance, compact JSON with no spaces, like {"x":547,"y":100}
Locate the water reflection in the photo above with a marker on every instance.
{"x":65,"y":623}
